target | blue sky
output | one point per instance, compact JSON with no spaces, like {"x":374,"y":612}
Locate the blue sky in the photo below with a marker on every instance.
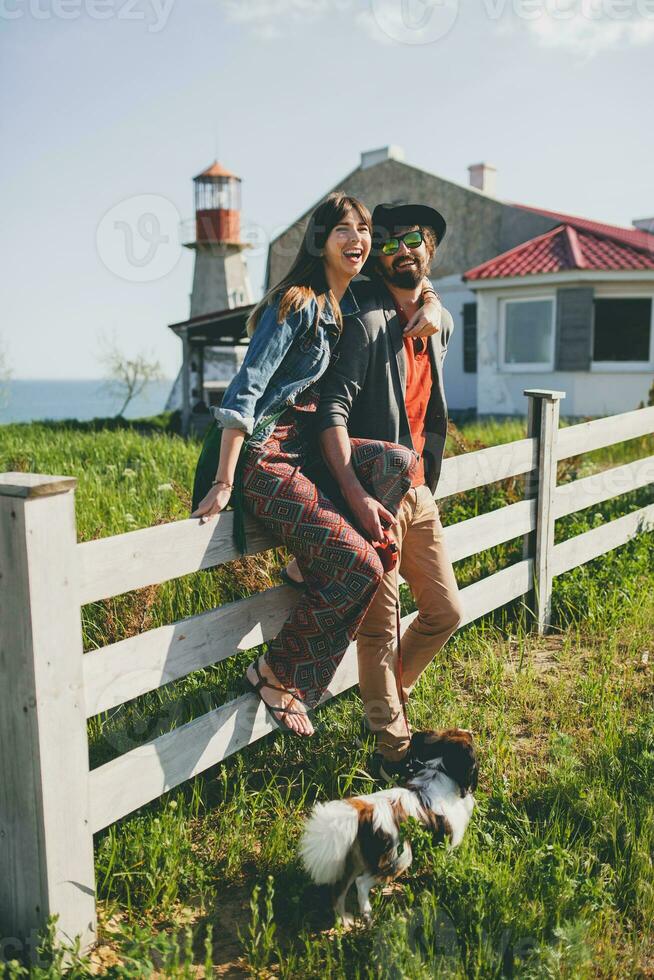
{"x":109,"y":107}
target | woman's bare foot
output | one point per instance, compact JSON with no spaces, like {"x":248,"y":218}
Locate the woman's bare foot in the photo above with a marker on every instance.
{"x":297,"y":720}
{"x":293,"y":571}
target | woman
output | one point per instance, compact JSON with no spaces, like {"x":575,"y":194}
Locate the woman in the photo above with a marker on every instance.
{"x":272,"y":400}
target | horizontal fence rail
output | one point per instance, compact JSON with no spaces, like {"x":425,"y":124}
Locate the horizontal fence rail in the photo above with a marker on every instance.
{"x":591,"y":544}
{"x":579,"y":494}
{"x":46,"y":786}
{"x":586,"y":437}
{"x":461,"y":473}
{"x":125,"y":670}
{"x":111,"y":566}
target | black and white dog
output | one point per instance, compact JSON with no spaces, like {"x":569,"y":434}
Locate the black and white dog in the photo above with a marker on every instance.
{"x":358,"y":839}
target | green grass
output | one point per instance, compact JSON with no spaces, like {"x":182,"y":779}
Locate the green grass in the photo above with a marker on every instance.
{"x":555,"y":877}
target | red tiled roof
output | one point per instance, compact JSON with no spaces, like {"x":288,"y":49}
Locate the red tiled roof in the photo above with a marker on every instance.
{"x":568,"y":247}
{"x":628,"y":236}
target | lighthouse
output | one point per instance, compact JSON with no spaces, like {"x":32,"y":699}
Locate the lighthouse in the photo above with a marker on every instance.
{"x":214,"y":339}
{"x":220,"y":276}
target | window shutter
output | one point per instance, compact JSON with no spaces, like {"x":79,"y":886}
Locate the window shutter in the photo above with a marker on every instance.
{"x":574,"y":327}
{"x":470,"y":338}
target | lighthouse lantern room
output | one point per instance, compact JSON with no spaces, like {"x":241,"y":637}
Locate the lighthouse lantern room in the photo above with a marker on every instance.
{"x":217,"y":205}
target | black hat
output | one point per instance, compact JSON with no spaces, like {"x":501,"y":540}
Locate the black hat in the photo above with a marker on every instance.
{"x":387,"y":217}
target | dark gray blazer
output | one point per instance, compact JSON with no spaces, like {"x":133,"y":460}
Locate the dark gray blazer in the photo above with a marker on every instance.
{"x":363,"y":388}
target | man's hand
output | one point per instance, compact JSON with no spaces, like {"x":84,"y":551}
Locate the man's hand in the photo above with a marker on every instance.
{"x":370,"y":516}
{"x":426,"y":320}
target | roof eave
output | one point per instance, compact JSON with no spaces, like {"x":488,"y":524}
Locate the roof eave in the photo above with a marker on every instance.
{"x":569,"y":275}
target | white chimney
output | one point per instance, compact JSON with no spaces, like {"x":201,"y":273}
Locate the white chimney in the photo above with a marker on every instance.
{"x":644,"y":224}
{"x":483,"y":176}
{"x":371,"y":157}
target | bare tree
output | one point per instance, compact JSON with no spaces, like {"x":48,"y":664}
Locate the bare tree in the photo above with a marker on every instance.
{"x":126,"y":376}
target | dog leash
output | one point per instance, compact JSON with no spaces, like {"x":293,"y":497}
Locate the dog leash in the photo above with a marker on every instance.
{"x":399,"y":679}
{"x":389,"y":555}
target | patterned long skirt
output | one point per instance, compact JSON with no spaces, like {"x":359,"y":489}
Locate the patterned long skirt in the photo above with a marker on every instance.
{"x":284,"y":483}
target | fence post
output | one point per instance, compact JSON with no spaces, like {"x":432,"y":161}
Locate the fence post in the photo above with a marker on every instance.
{"x":46,"y":843}
{"x":543,"y":425}
{"x":186,"y":385}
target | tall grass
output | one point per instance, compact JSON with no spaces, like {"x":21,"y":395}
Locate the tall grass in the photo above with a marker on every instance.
{"x":555,"y":877}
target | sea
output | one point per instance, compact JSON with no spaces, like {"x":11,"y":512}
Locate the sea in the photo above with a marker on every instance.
{"x":35,"y":400}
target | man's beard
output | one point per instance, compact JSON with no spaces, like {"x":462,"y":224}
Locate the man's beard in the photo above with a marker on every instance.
{"x":406,"y":278}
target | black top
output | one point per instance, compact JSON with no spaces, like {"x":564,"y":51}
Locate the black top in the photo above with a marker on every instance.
{"x":363,"y":388}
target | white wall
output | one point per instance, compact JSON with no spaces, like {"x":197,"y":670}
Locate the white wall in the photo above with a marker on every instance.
{"x":220,"y":279}
{"x":460,"y":388}
{"x":596,"y":392}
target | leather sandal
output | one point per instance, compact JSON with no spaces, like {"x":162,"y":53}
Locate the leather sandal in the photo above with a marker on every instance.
{"x":272,"y":711}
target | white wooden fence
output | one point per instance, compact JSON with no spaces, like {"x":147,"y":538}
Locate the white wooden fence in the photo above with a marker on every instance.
{"x":51,"y":803}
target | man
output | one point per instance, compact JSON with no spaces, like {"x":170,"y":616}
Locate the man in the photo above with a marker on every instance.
{"x":387,"y":384}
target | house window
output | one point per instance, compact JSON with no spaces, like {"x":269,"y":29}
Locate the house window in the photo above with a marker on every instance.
{"x":622,"y":330}
{"x":470,"y":338}
{"x":528,"y":334}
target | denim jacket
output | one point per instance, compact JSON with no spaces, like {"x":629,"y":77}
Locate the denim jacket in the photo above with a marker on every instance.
{"x":282,"y":360}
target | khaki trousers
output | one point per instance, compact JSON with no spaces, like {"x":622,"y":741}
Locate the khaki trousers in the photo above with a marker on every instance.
{"x":425,"y":566}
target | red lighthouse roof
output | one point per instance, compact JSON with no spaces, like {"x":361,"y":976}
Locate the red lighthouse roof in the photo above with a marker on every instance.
{"x":216,"y":170}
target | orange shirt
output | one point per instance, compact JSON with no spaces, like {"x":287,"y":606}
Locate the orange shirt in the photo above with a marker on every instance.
{"x":418,"y":391}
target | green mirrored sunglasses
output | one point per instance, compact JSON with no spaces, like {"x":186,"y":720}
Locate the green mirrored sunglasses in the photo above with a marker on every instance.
{"x":412,"y":239}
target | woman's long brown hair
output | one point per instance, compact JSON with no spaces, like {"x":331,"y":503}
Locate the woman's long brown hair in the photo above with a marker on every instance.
{"x":306,"y":280}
